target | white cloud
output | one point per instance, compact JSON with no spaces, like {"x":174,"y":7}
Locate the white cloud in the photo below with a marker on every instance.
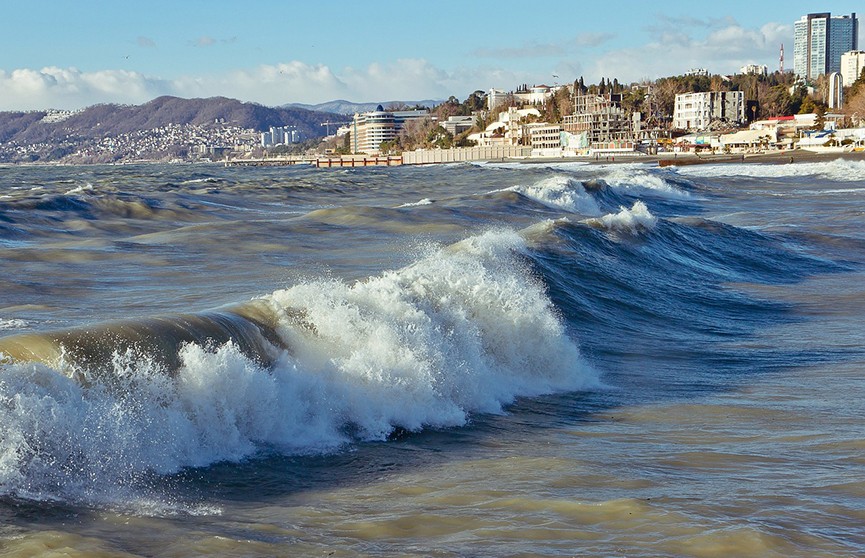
{"x":68,"y":88}
{"x":724,"y":49}
{"x":721,"y":46}
{"x":272,"y":85}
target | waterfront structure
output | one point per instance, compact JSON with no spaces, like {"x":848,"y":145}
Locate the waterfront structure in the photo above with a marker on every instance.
{"x":370,"y":129}
{"x":546,"y":136}
{"x":700,"y":111}
{"x":600,"y":117}
{"x":819,"y":40}
{"x":852,"y":64}
{"x":744,"y":141}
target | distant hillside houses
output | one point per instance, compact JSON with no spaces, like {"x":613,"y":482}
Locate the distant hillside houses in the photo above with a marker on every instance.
{"x":524,"y":95}
{"x":510,"y":128}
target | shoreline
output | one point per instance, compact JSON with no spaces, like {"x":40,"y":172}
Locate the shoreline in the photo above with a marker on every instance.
{"x":663,"y":159}
{"x":792,"y":156}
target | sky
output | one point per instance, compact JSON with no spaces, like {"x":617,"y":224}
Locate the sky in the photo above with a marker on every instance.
{"x":64,"y":54}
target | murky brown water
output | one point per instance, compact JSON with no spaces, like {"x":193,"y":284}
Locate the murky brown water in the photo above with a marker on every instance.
{"x":724,"y":324}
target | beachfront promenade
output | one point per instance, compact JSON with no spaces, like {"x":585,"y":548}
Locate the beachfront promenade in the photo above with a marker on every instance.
{"x":523,"y":155}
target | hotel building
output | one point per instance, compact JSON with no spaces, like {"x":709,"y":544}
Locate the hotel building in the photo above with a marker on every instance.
{"x":370,"y":129}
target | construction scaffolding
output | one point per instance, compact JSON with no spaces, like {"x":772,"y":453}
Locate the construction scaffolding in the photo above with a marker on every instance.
{"x":601,"y":118}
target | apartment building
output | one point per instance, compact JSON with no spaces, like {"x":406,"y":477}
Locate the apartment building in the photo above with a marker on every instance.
{"x":280,"y":135}
{"x":852,"y":64}
{"x":546,"y":136}
{"x":458,"y":124}
{"x":699,"y":111}
{"x":754,"y":70}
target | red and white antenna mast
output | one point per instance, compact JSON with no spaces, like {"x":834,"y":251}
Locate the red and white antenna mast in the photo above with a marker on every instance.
{"x":781,"y":59}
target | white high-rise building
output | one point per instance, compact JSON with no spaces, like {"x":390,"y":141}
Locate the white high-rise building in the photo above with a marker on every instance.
{"x":819,"y":40}
{"x":852,"y":63}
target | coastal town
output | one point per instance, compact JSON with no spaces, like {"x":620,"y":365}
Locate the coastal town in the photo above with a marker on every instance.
{"x":817,"y":106}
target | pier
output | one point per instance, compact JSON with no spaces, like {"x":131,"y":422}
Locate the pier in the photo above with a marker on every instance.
{"x":359,"y":161}
{"x":320,"y":162}
{"x":271,"y":161}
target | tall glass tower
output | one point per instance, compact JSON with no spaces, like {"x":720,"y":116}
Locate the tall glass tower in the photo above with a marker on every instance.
{"x":819,"y":40}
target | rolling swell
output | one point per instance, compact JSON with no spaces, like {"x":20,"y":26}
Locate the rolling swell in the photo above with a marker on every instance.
{"x":635,"y":286}
{"x":89,"y":351}
{"x":463,"y":330}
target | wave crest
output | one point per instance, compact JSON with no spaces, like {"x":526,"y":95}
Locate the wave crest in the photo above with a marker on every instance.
{"x":632,"y":220}
{"x":839,"y":170}
{"x":464,"y":330}
{"x":560,"y":192}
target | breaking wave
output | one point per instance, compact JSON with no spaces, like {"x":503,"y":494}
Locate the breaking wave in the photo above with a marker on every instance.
{"x":839,"y":170}
{"x":464,"y":330}
{"x":560,"y":192}
{"x":630,"y":220}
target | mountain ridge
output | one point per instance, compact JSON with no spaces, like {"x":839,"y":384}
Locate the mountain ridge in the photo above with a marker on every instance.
{"x":45,"y":136}
{"x":348,"y":108}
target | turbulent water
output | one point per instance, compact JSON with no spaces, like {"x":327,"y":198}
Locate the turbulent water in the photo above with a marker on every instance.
{"x":468,"y":360}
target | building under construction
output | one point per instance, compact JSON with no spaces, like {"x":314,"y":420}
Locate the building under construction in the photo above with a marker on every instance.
{"x":601,"y":120}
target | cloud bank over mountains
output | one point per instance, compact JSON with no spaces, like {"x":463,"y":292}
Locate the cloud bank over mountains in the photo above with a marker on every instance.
{"x":720,"y":45}
{"x":271,"y":85}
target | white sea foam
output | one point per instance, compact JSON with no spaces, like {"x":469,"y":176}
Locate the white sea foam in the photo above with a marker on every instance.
{"x":636,"y":179}
{"x":425,"y":201}
{"x":630,"y":220}
{"x":80,"y":189}
{"x":560,"y":192}
{"x":12,"y":323}
{"x":464,"y":330}
{"x":839,"y":170}
{"x":208,"y":180}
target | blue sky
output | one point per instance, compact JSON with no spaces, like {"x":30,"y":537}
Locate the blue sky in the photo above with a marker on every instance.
{"x":64,"y":54}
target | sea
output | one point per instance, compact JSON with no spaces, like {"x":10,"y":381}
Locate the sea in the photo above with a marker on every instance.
{"x":470,"y":360}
